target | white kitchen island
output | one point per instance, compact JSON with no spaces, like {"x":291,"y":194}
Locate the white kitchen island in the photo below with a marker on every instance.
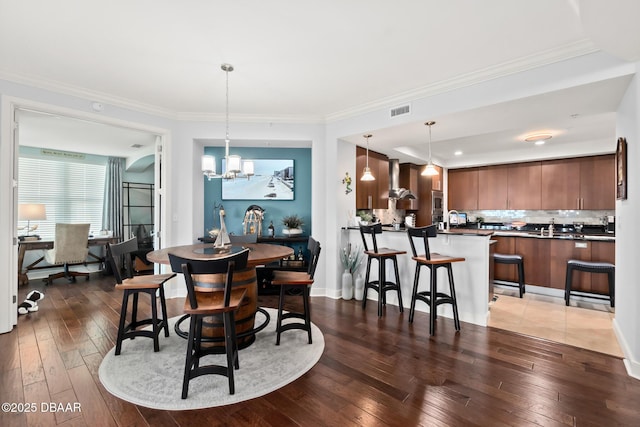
{"x":471,"y":276}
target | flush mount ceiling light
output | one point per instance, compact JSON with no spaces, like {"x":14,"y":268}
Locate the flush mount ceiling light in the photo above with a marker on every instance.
{"x":232,"y":162}
{"x":366,"y":175}
{"x":430,"y":169}
{"x":538,"y":138}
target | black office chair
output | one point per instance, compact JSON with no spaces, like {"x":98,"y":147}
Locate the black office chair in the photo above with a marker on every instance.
{"x":203,"y":301}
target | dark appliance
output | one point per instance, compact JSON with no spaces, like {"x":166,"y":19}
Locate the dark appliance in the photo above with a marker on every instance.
{"x":437,"y":204}
{"x":611,"y":224}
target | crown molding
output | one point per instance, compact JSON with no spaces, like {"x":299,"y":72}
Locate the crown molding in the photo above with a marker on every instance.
{"x":79,"y":92}
{"x":570,"y":50}
{"x":567,"y":51}
{"x":249,"y":118}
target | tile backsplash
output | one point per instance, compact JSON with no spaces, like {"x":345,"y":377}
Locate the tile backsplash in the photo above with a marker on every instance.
{"x":588,"y":217}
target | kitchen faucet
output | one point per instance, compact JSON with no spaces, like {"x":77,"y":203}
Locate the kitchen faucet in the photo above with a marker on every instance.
{"x":452,"y":211}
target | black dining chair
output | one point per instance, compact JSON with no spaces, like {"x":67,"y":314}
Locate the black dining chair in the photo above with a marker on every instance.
{"x":299,"y":280}
{"x":204,"y":301}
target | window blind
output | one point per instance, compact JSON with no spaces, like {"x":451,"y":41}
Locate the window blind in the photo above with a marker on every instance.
{"x":72,"y":192}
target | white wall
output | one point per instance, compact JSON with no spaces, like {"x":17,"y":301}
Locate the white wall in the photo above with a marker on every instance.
{"x":331,"y":158}
{"x":627,"y":320}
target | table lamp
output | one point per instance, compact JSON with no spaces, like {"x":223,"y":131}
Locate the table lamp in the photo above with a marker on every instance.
{"x":31,"y":212}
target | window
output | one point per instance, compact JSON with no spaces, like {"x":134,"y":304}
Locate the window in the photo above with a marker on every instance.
{"x":73,"y":192}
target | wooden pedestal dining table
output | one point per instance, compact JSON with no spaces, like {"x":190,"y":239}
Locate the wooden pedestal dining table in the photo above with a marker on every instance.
{"x":259,"y":254}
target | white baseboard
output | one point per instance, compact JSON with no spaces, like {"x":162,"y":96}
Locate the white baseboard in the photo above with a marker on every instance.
{"x":633,"y":366}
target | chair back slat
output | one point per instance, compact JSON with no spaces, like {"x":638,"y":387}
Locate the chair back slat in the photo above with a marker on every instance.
{"x":368,"y":233}
{"x":419,"y":239}
{"x":224,"y":265}
{"x":120,"y":259}
{"x":314,"y":248}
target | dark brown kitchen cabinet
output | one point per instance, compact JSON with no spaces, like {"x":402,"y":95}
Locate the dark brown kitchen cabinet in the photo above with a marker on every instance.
{"x":597,"y":182}
{"x":524,"y":186}
{"x":561,"y":184}
{"x":602,"y":252}
{"x":507,"y":246}
{"x":492,"y":187}
{"x":535,"y":256}
{"x":545,"y":261}
{"x":463,"y":189}
{"x":562,"y":251}
{"x":372,"y":194}
{"x":580,"y":183}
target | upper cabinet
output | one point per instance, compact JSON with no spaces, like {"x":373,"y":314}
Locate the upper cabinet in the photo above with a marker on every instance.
{"x":598,"y":182}
{"x":372,"y":194}
{"x":579,"y":183}
{"x":524,"y":186}
{"x":514,"y":186}
{"x":492,"y":187}
{"x":463,"y":189}
{"x":561,"y":184}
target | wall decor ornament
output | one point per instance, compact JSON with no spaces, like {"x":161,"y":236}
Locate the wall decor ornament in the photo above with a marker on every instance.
{"x":347,"y":180}
{"x":621,"y":169}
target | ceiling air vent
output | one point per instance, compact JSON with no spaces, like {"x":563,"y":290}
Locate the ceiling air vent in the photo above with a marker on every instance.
{"x":400,"y":111}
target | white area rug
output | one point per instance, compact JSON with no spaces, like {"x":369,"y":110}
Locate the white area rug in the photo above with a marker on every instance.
{"x":142,"y":377}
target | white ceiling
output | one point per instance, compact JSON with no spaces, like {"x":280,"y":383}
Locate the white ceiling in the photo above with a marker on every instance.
{"x":321,"y":61}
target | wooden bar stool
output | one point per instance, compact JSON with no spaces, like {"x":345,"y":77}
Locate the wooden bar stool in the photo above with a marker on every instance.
{"x":204,"y":301}
{"x":590,"y":267}
{"x":382,"y":285}
{"x":433,"y":261}
{"x":296,"y":280}
{"x":131,"y":285}
{"x":519,"y":262}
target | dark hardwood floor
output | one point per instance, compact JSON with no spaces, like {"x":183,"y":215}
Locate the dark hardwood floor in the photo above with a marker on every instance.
{"x":374,"y":372}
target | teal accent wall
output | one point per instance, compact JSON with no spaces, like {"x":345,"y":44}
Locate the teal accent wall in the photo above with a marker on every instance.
{"x":274,"y":209}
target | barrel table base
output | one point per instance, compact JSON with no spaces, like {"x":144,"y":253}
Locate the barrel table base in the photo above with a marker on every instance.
{"x":212,"y":326}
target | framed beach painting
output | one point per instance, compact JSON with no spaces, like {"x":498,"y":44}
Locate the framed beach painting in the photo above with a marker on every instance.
{"x":270,"y":179}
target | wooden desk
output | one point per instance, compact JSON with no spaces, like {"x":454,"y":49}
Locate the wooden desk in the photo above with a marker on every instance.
{"x":31,"y":245}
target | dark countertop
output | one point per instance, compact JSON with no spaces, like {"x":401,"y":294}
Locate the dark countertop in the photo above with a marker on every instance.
{"x":604,"y":237}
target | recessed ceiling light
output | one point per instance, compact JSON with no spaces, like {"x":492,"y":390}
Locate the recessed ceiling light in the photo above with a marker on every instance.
{"x":535,"y":137}
{"x":540,"y":142}
{"x":457,"y":153}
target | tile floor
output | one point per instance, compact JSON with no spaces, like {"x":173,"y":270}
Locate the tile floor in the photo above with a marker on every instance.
{"x":582,"y":324}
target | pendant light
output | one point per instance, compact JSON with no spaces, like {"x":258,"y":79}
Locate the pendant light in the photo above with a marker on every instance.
{"x":233,"y":163}
{"x":367,"y":176}
{"x":430,"y":169}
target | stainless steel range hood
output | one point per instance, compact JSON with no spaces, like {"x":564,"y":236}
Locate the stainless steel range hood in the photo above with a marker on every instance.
{"x":395,"y":191}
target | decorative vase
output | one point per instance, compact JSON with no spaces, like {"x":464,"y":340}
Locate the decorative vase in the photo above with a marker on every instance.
{"x":292,"y":231}
{"x":347,"y":285}
{"x":359,"y":287}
